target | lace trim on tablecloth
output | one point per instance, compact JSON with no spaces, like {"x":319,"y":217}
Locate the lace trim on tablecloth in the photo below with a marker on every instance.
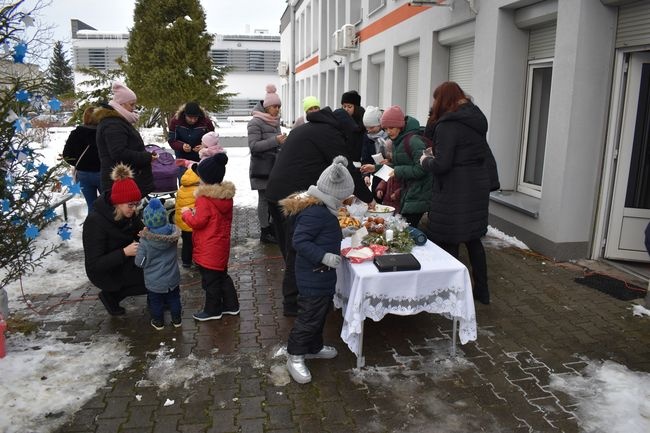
{"x":445,"y":301}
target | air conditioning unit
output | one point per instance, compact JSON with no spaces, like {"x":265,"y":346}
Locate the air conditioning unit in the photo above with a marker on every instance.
{"x":349,"y":36}
{"x":283,"y":69}
{"x":338,"y":40}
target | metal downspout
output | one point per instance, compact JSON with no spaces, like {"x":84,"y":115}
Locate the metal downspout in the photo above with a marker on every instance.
{"x":292,"y":63}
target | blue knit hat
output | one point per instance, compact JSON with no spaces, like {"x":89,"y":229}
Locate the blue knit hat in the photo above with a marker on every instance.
{"x":154,"y":217}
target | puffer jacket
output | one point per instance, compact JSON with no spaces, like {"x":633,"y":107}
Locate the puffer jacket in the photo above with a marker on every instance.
{"x":158,"y":256}
{"x":308,"y":151}
{"x":461,"y":187}
{"x":182,"y":132}
{"x":185,"y":197}
{"x":211,"y":222}
{"x":415,"y":192}
{"x":119,"y":141}
{"x":103,"y":241}
{"x":316,"y":231}
{"x":264,"y":148}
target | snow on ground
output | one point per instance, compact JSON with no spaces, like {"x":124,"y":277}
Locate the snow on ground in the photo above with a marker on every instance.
{"x":43,"y":379}
{"x":495,"y":238}
{"x":610,"y":397}
{"x":640,"y":310}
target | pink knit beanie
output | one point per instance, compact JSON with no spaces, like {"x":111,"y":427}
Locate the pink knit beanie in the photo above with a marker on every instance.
{"x":122,"y":94}
{"x":210,"y":142}
{"x":271,"y":97}
{"x":393,"y":117}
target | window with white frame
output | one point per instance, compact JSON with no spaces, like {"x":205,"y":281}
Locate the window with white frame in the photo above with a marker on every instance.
{"x":375,"y":5}
{"x":541,"y":50}
{"x":538,"y":95}
{"x":355,"y":11}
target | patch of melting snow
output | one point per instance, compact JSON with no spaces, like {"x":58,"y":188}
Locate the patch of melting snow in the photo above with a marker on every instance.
{"x":640,"y":310}
{"x":166,"y":372}
{"x":610,"y":397}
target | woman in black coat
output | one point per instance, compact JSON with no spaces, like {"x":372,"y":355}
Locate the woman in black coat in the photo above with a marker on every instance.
{"x":461,"y":185}
{"x":119,"y":141}
{"x":110,"y":241}
{"x":80,"y":151}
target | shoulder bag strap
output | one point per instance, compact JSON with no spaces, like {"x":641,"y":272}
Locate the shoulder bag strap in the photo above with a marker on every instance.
{"x":81,"y":156}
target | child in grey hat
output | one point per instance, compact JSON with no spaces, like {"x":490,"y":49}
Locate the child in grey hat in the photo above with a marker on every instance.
{"x":317,"y":241}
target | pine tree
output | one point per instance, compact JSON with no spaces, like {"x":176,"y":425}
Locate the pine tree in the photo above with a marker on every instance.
{"x":26,"y":184}
{"x":168,"y":57}
{"x":60,"y":81}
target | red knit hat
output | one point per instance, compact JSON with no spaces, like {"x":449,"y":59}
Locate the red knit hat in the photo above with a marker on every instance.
{"x":124,"y":189}
{"x":393,"y":117}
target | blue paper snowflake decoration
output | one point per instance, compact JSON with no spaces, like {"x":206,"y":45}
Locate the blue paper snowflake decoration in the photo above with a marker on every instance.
{"x":64,"y":232}
{"x":55,"y":104}
{"x":22,"y":95}
{"x":49,"y":214}
{"x":20,"y":49}
{"x":42,"y":169}
{"x":75,"y":188}
{"x":6,"y":205}
{"x":21,"y":124}
{"x":66,"y":180}
{"x":31,"y":232}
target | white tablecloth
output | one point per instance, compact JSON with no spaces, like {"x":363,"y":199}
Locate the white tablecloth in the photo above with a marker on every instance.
{"x":442,"y":286}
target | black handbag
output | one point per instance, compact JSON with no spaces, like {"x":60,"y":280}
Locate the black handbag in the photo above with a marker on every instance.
{"x":261,"y":164}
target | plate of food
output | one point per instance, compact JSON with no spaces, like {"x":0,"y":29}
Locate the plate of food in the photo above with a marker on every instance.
{"x":381,"y":211}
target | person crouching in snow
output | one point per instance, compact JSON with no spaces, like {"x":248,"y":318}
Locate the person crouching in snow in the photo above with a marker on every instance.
{"x":211,"y":221}
{"x":157,"y":255}
{"x":317,"y":241}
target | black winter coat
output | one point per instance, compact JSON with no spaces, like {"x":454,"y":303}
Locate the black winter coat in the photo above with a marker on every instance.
{"x":307,"y":151}
{"x":119,"y":141}
{"x":103,"y":240}
{"x":82,"y":137}
{"x":354,"y":133}
{"x":461,"y":185}
{"x":316,"y":231}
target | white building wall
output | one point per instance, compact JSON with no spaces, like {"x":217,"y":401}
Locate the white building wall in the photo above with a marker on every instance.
{"x":560,"y":221}
{"x":246,"y":85}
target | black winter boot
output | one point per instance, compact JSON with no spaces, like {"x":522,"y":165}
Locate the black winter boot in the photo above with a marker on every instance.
{"x":267,"y":236}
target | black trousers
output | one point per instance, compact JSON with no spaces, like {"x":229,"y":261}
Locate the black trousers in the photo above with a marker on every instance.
{"x":115,"y":297}
{"x":220,"y":293}
{"x":307,"y":333}
{"x":186,"y":248}
{"x":283,"y":227}
{"x":477,"y":260}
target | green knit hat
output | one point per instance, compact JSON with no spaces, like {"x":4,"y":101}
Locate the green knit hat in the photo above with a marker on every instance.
{"x":310,"y":102}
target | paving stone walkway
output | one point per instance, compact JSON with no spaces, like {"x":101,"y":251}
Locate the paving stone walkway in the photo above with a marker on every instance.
{"x":540,"y":323}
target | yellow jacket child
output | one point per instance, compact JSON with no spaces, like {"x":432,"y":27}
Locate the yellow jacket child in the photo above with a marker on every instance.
{"x":185,"y":198}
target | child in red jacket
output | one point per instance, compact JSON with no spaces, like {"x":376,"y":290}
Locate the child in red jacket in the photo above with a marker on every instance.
{"x":211,"y":221}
